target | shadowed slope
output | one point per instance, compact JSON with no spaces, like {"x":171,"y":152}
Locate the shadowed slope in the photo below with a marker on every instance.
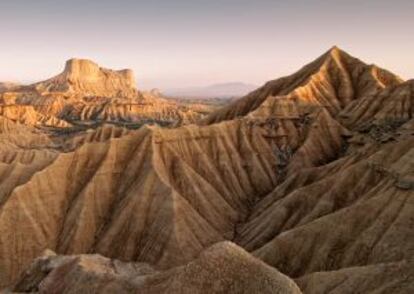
{"x":390,"y":277}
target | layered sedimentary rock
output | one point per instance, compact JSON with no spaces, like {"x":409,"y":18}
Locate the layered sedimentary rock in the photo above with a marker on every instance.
{"x":85,"y":76}
{"x":85,"y":93}
{"x":332,"y":81}
{"x":312,"y":174}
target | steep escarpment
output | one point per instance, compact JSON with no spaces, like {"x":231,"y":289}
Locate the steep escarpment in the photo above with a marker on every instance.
{"x":311,"y":174}
{"x":85,"y":76}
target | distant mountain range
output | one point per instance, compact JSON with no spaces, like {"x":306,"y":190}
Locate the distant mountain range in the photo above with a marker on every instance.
{"x":223,"y":90}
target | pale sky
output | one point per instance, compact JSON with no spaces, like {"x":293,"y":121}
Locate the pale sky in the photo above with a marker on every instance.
{"x":181,"y":43}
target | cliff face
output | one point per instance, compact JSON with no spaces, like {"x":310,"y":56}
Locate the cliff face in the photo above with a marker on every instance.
{"x":86,"y":77}
{"x":311,"y":174}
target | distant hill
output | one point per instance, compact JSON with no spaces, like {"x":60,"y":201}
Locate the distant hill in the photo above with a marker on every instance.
{"x":224,"y":90}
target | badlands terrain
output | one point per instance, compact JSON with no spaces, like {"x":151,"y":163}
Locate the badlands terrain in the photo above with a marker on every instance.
{"x":86,"y":95}
{"x":305,"y":185}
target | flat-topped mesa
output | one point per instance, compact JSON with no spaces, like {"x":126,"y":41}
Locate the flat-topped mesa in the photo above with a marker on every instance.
{"x":86,"y":77}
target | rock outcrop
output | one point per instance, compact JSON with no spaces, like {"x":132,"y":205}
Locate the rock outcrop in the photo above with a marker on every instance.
{"x":223,"y":268}
{"x":86,"y":77}
{"x":85,"y":94}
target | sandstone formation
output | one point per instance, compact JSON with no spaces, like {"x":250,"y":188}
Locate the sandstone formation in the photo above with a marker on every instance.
{"x":85,"y":94}
{"x":85,"y":76}
{"x":313,"y":174}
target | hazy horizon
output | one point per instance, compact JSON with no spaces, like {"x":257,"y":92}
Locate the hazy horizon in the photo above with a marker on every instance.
{"x":183,"y":43}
